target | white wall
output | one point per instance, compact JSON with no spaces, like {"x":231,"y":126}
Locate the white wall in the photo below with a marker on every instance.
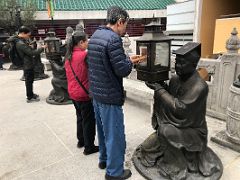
{"x":181,"y":0}
{"x":180,"y":16}
{"x":66,"y":15}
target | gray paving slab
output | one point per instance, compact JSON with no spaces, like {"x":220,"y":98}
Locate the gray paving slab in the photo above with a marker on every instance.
{"x":38,"y":140}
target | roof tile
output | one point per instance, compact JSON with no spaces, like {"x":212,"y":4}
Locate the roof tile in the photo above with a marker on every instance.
{"x":83,"y":5}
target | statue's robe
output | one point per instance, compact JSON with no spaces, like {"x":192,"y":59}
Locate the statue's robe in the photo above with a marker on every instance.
{"x":178,"y":147}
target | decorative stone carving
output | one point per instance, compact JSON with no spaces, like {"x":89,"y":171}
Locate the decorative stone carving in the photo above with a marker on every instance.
{"x":233,"y":43}
{"x":211,"y":69}
{"x":126,"y":44}
{"x":69,"y":32}
{"x":79,"y":27}
{"x":237,"y":82}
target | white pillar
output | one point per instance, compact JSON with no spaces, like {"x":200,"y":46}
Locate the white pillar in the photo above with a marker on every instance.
{"x":197,"y":20}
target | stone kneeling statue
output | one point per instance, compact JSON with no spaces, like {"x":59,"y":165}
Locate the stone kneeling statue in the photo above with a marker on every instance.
{"x":178,"y":147}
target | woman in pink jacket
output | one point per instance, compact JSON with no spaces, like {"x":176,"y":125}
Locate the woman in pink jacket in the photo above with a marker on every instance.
{"x":77,"y":78}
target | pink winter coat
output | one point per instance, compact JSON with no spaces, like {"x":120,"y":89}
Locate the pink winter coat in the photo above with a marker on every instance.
{"x":79,"y":65}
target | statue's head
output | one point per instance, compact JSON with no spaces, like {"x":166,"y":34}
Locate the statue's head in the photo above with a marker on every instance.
{"x":187,"y":58}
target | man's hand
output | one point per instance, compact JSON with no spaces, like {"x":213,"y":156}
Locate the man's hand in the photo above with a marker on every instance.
{"x":138,"y":58}
{"x":154,"y":86}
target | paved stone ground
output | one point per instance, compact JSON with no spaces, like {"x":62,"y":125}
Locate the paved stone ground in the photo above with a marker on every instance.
{"x":38,"y":141}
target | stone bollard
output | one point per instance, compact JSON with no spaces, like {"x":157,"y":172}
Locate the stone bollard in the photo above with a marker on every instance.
{"x":231,"y":136}
{"x":233,"y":113}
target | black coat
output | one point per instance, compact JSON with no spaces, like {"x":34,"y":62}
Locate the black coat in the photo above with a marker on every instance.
{"x":26,"y":53}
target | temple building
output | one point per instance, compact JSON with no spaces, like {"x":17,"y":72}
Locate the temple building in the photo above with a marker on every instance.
{"x":92,"y":13}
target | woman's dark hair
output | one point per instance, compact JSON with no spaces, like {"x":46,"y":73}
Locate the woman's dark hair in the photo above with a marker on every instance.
{"x":73,"y":41}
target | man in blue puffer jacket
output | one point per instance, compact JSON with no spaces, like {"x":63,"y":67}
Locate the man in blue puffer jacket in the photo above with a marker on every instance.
{"x":107,"y":66}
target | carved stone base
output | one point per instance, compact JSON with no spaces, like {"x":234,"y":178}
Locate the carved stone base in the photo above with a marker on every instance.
{"x":222,"y":139}
{"x":152,"y":173}
{"x":51,"y":101}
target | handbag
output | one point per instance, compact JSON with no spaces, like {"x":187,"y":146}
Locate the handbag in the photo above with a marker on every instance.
{"x":79,"y":82}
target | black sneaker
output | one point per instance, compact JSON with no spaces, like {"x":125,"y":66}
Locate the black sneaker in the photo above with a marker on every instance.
{"x":35,"y":98}
{"x":126,"y":174}
{"x":102,"y":165}
{"x":92,"y":150}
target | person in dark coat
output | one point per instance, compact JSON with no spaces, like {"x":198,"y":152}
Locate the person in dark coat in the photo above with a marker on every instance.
{"x":178,"y":147}
{"x":107,"y":66}
{"x":27,"y":53}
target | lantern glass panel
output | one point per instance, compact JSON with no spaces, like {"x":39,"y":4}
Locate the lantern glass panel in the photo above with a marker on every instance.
{"x":143,"y":52}
{"x":51,"y":47}
{"x":162,"y":54}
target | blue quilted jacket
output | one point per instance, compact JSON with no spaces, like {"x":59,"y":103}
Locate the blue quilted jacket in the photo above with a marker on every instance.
{"x":107,"y":65}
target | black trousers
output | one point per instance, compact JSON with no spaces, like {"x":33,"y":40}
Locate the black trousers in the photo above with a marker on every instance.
{"x":86,"y":128}
{"x":29,"y":78}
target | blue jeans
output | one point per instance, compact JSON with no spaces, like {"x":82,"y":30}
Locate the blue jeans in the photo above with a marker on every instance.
{"x":111,"y":136}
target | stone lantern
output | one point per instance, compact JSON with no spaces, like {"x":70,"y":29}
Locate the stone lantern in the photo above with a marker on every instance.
{"x":155,"y":47}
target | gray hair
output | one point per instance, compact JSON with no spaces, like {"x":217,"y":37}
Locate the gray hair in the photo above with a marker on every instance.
{"x":115,"y":13}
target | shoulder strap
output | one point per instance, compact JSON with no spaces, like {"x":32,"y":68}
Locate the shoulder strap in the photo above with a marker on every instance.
{"x":79,"y":82}
{"x":15,"y":47}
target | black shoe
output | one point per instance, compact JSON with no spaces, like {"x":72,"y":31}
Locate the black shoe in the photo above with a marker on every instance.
{"x":126,"y":174}
{"x":91,"y":150}
{"x":80,"y":144}
{"x":35,"y":98}
{"x":102,"y":165}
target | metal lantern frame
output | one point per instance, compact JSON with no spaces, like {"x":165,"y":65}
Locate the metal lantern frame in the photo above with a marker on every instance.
{"x":53,"y":44}
{"x":154,"y":69}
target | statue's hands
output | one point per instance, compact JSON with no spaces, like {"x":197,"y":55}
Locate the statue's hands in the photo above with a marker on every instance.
{"x":154,"y":86}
